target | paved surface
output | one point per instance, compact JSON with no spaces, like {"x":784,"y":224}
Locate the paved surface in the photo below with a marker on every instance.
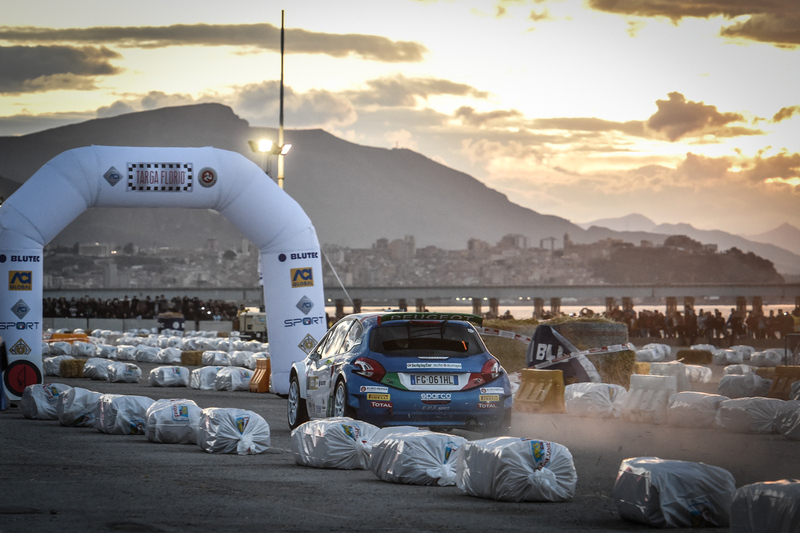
{"x":55,"y":478}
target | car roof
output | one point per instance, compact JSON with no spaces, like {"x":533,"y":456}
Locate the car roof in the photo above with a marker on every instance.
{"x":405,"y":316}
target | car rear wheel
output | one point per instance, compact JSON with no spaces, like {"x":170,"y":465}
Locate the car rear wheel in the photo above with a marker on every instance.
{"x":296,"y":412}
{"x":340,"y":407}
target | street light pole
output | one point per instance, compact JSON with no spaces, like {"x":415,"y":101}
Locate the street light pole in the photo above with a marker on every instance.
{"x":280,"y":125}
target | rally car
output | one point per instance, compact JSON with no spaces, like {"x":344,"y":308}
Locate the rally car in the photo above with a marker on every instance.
{"x":390,"y":369}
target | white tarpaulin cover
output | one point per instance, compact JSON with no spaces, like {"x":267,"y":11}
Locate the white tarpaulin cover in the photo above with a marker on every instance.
{"x":749,"y":415}
{"x":215,"y":358}
{"x":341,"y":443}
{"x":202,"y":178}
{"x":96,"y":368}
{"x":743,"y":386}
{"x":787,"y":422}
{"x":119,"y":414}
{"x":418,"y":457}
{"x":662,"y":493}
{"x":693,"y":409}
{"x":77,"y":406}
{"x":233,"y":379}
{"x":767,"y":506}
{"x":204,"y":378}
{"x":232,"y":431}
{"x":169,"y":376}
{"x":123,"y":372}
{"x":602,"y":400}
{"x":172,"y":421}
{"x":517,"y":470}
{"x":52,"y":365}
{"x":169,"y":355}
{"x":41,"y":401}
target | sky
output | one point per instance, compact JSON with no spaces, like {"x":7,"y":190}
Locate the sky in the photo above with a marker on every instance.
{"x":685,"y":111}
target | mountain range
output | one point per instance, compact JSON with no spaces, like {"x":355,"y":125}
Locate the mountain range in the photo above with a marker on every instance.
{"x":353,"y":194}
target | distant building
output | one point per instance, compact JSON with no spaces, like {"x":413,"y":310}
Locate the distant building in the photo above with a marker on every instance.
{"x":94,"y":249}
{"x":403,"y":250}
{"x":514,"y":241}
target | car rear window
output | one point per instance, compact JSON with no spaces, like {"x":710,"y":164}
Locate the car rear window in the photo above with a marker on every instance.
{"x":417,"y":338}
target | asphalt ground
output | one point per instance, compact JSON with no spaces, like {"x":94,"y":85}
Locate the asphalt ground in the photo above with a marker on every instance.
{"x":56,"y":478}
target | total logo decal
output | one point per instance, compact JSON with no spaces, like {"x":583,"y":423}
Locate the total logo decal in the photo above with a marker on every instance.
{"x":305,"y":321}
{"x":369,"y":388}
{"x":487,"y":405}
{"x":21,"y":258}
{"x":302,"y":277}
{"x":492,"y":390}
{"x":381,"y":405}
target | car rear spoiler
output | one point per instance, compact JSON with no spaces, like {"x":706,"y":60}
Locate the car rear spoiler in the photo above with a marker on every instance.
{"x":475,"y":319}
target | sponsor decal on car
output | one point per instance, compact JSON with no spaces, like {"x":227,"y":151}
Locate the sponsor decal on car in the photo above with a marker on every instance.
{"x":435,"y":397}
{"x":492,"y":390}
{"x":382,"y":397}
{"x":489,"y":398}
{"x":381,"y":405}
{"x":370,"y":388}
{"x":487,"y":405}
{"x":452,"y":366}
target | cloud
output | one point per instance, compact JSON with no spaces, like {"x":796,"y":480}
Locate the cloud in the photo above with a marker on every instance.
{"x":782,"y":167}
{"x":776,"y":21}
{"x":402,"y":91}
{"x":260,"y":36}
{"x":677,"y":118}
{"x":785,"y":113}
{"x":469,"y":116}
{"x":31,"y":69}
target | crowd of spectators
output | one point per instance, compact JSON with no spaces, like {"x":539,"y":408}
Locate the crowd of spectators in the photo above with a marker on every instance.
{"x":190,"y":308}
{"x":690,"y":327}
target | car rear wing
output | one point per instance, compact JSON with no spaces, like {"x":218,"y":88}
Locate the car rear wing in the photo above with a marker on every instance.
{"x":475,"y":319}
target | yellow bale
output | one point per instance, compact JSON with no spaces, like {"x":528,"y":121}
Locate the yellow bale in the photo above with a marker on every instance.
{"x":541,"y":391}
{"x":782,"y":384}
{"x":641,"y":368}
{"x":192,"y":358}
{"x":72,"y":368}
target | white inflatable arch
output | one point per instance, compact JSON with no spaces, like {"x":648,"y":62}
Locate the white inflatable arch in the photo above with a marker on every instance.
{"x":208,"y":178}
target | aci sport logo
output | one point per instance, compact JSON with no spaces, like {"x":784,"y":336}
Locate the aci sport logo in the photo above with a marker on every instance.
{"x":20,"y":280}
{"x":302,"y":277}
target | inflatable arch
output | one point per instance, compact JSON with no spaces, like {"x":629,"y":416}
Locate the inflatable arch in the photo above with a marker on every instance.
{"x":209,"y":178}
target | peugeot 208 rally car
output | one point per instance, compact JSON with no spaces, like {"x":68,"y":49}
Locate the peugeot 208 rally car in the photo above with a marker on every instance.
{"x":419,"y":369}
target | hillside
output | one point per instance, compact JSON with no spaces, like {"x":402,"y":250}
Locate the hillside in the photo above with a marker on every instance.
{"x":353,"y":194}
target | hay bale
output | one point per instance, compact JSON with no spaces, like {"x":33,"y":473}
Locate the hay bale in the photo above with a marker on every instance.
{"x":192,"y":358}
{"x":641,"y":368}
{"x":614,"y":367}
{"x":695,"y":357}
{"x":72,"y":368}
{"x":591,"y":333}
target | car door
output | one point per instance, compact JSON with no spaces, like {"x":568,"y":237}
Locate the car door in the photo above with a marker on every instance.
{"x":319,"y":386}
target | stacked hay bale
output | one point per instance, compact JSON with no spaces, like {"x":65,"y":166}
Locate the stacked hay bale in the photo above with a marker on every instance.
{"x":586,"y":333}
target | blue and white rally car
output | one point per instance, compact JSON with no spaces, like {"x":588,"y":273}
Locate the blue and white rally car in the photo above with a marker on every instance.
{"x":418,"y":369}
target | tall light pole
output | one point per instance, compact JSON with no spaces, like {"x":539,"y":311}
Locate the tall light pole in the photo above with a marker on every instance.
{"x":280,"y":124}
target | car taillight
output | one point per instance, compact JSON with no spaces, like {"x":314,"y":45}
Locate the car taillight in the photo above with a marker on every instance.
{"x":490,"y":371}
{"x":369,"y":368}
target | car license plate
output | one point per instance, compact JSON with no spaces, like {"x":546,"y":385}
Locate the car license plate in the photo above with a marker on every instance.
{"x":434,"y":379}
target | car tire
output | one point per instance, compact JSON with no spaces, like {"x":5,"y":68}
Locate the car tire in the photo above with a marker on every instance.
{"x":296,"y":412}
{"x":340,"y":407}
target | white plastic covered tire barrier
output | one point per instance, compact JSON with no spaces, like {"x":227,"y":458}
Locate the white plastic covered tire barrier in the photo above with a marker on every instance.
{"x":204,"y":178}
{"x":416,"y":457}
{"x":663,"y":493}
{"x":340,"y":443}
{"x":169,"y":376}
{"x":77,"y":407}
{"x":40,"y":402}
{"x":233,"y":431}
{"x":693,"y":409}
{"x":119,"y":414}
{"x":516,"y":470}
{"x":172,"y":421}
{"x":768,"y":506}
{"x":602,"y":400}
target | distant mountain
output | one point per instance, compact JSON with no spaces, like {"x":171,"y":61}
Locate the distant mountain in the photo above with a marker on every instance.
{"x":785,"y":236}
{"x":353,"y":194}
{"x":632,"y":222}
